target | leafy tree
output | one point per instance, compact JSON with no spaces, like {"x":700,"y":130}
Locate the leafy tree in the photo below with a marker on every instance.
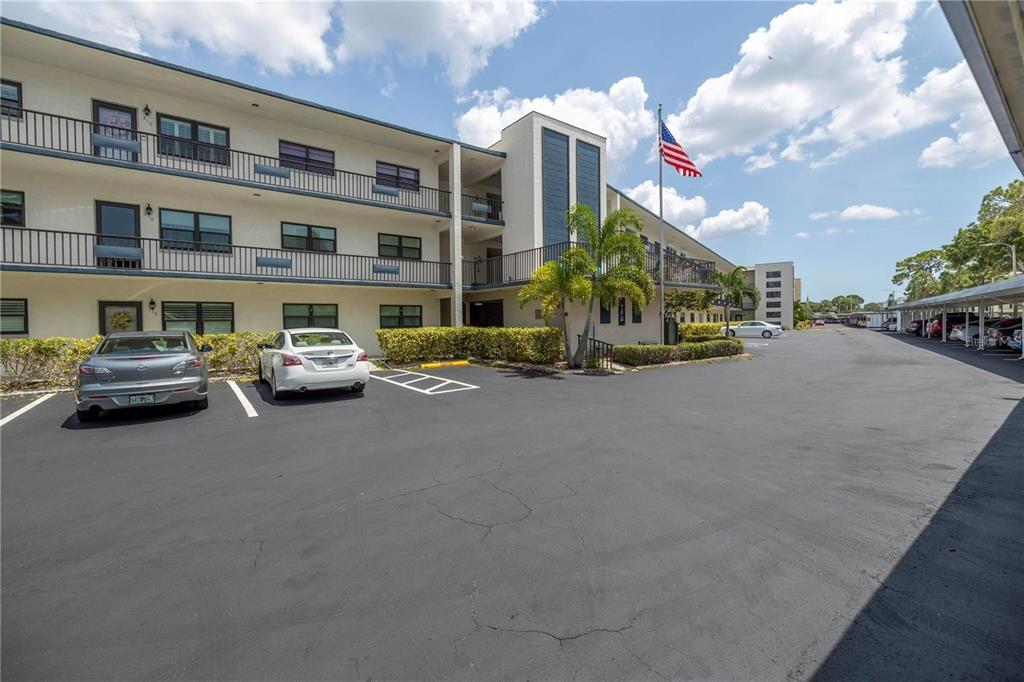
{"x":731,"y":288}
{"x":678,"y":301}
{"x":620,"y":259}
{"x":921,"y":273}
{"x":801,"y":311}
{"x":558,"y":283}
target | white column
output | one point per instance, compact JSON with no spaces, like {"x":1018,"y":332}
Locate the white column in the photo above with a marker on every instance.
{"x":943,"y":324}
{"x":967,"y":325}
{"x":981,"y":325}
{"x":455,"y":231}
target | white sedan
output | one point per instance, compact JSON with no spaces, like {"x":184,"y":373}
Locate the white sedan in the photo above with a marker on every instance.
{"x":313,"y":359}
{"x":754,"y":328}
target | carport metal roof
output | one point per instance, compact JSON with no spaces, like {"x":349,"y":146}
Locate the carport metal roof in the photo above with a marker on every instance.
{"x":1004,"y":291}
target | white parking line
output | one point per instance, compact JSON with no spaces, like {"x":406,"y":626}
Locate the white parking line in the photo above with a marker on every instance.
{"x":433,"y":390}
{"x":246,"y":405}
{"x":25,"y":409}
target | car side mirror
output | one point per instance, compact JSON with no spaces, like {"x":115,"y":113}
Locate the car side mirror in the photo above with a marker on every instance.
{"x":263,"y":346}
{"x":205,"y":348}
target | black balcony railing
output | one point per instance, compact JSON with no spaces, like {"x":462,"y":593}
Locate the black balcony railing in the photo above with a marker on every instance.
{"x":480,"y":208}
{"x":86,"y":138}
{"x":52,"y":250}
{"x":516,"y":268}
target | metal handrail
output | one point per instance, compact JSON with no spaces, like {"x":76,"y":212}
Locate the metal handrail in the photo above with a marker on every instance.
{"x":125,"y":254}
{"x":88,"y":138}
{"x":597,"y":355}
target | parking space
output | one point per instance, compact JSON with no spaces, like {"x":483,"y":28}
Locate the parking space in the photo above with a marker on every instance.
{"x":536,"y":525}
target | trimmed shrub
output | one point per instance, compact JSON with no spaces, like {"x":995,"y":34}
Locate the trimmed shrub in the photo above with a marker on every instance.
{"x":636,"y":355}
{"x":539,"y":345}
{"x":699,"y":339}
{"x":52,"y":362}
{"x":700,"y":329}
{"x":803,"y":324}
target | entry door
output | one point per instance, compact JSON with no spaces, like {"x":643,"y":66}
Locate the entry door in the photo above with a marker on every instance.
{"x":486,"y":313}
{"x":120,"y":316}
{"x":114,"y":120}
{"x":117,"y":225}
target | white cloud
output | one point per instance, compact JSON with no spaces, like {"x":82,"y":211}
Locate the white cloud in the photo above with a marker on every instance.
{"x":830,"y":78}
{"x":618,"y":113}
{"x":751,"y":218}
{"x":820,"y":215}
{"x":679,"y":210}
{"x":280,"y":38}
{"x":801,"y":235}
{"x":977,"y":142}
{"x":754,"y":164}
{"x":832,"y":231}
{"x":461,"y":34}
{"x":868,"y":212}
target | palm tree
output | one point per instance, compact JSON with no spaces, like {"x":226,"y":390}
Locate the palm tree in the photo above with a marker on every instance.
{"x":732,"y":288}
{"x":557,"y":283}
{"x":620,"y":258}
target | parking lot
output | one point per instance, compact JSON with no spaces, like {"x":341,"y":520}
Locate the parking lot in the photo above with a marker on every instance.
{"x":845,"y":504}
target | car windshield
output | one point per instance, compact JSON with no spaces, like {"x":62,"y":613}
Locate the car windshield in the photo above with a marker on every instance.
{"x":306,"y":339}
{"x":119,"y":345}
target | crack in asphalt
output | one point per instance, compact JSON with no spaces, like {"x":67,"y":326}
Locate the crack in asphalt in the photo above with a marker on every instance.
{"x":489,"y":526}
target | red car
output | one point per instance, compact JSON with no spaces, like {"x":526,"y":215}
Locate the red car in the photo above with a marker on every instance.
{"x":952,"y":320}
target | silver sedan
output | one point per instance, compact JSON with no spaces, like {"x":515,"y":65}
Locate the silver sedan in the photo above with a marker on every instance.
{"x":754,"y":328}
{"x":139,"y":369}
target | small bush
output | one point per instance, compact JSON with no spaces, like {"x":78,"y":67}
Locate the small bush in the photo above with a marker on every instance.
{"x":539,"y":345}
{"x":636,"y":355}
{"x":700,"y":329}
{"x":52,"y":362}
{"x":700,"y":339}
{"x":804,"y":324}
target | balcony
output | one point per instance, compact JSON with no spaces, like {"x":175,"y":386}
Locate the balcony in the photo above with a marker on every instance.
{"x":89,"y":141}
{"x":483,"y":210}
{"x":52,"y":251}
{"x":515,"y":268}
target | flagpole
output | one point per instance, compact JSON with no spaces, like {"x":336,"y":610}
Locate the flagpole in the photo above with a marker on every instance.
{"x":661,"y":241}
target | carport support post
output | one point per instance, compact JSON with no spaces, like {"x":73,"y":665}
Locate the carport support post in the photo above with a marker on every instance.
{"x":967,"y":326}
{"x":943,"y":324}
{"x":981,"y":325}
{"x":455,"y":233}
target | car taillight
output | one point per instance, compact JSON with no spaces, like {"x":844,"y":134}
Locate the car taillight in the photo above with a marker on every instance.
{"x":91,"y":370}
{"x":189,"y":364}
{"x":362,"y":357}
{"x":290,"y":361}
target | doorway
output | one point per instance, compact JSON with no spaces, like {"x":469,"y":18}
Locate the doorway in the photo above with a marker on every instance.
{"x":120,"y":316}
{"x":114,"y":120}
{"x":487,"y":313}
{"x":117,"y":225}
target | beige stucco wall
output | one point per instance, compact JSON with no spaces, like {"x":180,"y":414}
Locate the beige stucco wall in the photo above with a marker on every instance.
{"x":68,"y":304}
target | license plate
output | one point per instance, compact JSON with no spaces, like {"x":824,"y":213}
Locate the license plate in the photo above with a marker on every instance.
{"x":327,"y":363}
{"x":144,"y":399}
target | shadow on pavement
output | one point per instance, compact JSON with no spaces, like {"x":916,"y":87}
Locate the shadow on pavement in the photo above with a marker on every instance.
{"x":131,"y":415}
{"x":953,"y":607}
{"x":307,"y":398}
{"x":1005,"y":363}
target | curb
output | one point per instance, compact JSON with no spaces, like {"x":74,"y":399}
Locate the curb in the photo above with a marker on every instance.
{"x":704,"y":361}
{"x":445,"y":363}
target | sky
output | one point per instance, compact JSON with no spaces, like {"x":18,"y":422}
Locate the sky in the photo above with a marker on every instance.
{"x":841,"y":136}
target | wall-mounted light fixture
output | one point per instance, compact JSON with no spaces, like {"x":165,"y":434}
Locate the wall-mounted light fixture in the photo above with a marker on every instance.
{"x":148,"y":210}
{"x":152,"y":306}
{"x":146,"y":111}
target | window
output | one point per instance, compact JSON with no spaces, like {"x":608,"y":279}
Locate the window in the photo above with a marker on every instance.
{"x":773,"y":273}
{"x":622,"y":312}
{"x":10,"y":98}
{"x":637,"y":314}
{"x":303,"y":157}
{"x":392,"y":316}
{"x":773,"y":285}
{"x":310,"y":315}
{"x":773,"y":316}
{"x":308,"y":237}
{"x":398,"y":246}
{"x":199,"y":318}
{"x":606,"y":313}
{"x":391,"y":175}
{"x":773,"y":304}
{"x":773,"y":294}
{"x":189,"y":139}
{"x":13,"y":316}
{"x":188,"y":230}
{"x":692,"y":317}
{"x":13,"y":203}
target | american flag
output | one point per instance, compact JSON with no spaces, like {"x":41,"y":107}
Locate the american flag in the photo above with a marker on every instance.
{"x":674,"y":154}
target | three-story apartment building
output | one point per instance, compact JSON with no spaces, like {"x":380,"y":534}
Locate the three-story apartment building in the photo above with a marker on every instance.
{"x":138,"y":194}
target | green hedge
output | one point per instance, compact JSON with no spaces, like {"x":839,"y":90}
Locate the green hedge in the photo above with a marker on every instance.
{"x":699,"y":339}
{"x":636,"y":355}
{"x":51,"y":363}
{"x":691,"y":331}
{"x":539,"y":345}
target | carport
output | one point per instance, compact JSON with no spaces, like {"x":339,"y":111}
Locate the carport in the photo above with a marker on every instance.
{"x":977,"y":300}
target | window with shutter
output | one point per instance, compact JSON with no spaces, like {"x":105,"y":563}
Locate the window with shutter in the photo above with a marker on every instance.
{"x":13,"y":316}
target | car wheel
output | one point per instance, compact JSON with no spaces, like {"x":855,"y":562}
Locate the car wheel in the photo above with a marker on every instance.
{"x":732,"y":332}
{"x":274,"y":392}
{"x":86,"y":415}
{"x":201,"y":404}
{"x":358,"y":388}
{"x":766,"y":334}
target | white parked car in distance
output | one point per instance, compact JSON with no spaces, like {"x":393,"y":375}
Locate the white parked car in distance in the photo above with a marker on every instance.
{"x":754,"y":328}
{"x":312,"y":359}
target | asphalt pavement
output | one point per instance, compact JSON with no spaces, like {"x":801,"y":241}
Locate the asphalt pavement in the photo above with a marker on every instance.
{"x":845,"y":504}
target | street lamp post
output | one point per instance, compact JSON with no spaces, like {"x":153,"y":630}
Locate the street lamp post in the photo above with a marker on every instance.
{"x":1013,"y":254}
